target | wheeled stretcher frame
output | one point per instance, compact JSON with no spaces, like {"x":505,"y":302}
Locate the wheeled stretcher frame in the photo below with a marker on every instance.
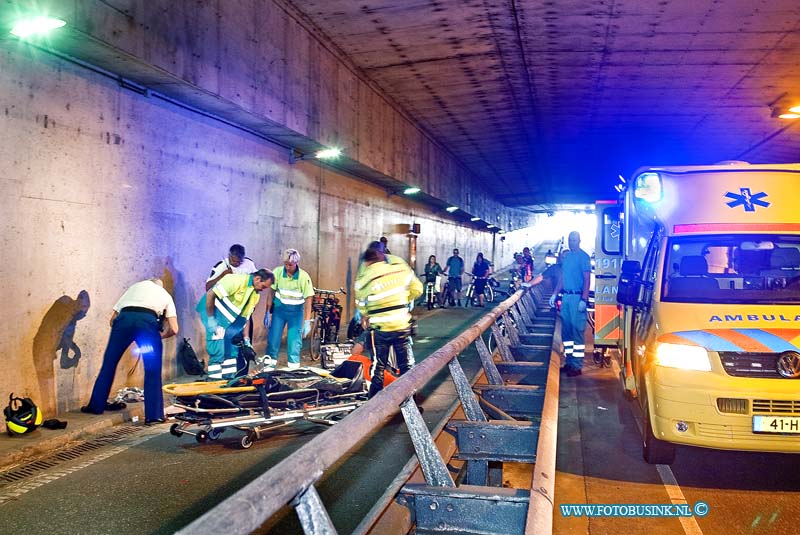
{"x":276,"y":409}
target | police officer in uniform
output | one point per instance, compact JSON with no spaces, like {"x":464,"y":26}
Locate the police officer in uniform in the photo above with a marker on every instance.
{"x":290,"y":301}
{"x":136,"y":319}
{"x":225,"y":309}
{"x":384,"y":291}
{"x":575,"y":275}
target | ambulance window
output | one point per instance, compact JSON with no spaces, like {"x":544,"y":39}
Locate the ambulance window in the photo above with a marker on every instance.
{"x":611,"y":231}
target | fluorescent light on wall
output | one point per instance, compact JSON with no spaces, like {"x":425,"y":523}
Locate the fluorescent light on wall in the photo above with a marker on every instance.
{"x":473,"y":219}
{"x":328,"y":154}
{"x":411,"y":190}
{"x":36,"y":25}
{"x":451,"y":209}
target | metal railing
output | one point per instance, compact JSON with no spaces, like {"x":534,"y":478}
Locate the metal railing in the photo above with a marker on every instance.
{"x":292,"y":481}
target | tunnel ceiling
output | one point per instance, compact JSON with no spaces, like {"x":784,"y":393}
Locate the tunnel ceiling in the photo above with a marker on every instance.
{"x":548,"y":102}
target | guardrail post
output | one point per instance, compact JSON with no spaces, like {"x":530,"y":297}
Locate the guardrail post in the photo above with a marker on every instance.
{"x":502,"y":344}
{"x":511,"y":330}
{"x":312,"y":513}
{"x":492,"y":374}
{"x":518,"y":320}
{"x":433,"y":467}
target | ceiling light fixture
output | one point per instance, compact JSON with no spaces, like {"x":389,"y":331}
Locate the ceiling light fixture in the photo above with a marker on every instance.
{"x":328,"y":154}
{"x":473,"y":219}
{"x":786,"y":113}
{"x":323,"y":154}
{"x":35,"y":26}
{"x":411,"y":190}
{"x":451,"y":209}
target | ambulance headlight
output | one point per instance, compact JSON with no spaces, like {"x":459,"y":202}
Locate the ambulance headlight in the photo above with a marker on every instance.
{"x":683,"y":357}
{"x":647,"y":187}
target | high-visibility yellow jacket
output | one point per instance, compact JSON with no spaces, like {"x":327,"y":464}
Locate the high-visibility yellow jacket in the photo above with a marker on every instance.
{"x":383,"y":292}
{"x":235,"y":296}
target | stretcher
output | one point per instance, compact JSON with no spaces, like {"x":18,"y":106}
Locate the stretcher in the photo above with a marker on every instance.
{"x":259,"y":403}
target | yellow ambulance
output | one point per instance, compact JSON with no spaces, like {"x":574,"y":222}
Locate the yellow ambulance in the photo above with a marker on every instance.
{"x":710,"y":288}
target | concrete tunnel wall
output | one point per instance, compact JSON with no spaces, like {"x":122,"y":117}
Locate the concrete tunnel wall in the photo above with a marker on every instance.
{"x":104,"y":187}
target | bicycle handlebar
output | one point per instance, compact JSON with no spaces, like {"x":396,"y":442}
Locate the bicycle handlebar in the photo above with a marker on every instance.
{"x":331,"y":292}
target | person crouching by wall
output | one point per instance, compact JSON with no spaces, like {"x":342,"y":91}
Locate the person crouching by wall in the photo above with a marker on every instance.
{"x":290,"y":303}
{"x":136,"y":319}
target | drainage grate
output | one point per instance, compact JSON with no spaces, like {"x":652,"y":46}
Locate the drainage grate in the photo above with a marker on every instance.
{"x":70,"y":453}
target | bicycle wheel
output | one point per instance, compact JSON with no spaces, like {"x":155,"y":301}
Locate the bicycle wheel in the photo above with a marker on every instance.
{"x":315,"y":343}
{"x":488,"y":293}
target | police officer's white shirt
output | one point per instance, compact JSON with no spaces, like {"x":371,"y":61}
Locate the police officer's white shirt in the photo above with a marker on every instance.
{"x":148,"y":294}
{"x":247,"y":267}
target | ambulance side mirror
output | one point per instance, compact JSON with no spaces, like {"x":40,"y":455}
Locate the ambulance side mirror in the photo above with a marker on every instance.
{"x":630,"y":283}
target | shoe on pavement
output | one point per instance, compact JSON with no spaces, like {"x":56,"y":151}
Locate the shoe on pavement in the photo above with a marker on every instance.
{"x":154,"y":421}
{"x":86,"y":409}
{"x":293,"y":365}
{"x":115,"y":406}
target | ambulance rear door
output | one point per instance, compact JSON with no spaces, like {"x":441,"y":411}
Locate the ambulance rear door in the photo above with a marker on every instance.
{"x":608,"y":259}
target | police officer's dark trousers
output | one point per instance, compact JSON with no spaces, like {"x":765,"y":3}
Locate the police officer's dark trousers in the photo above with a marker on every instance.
{"x":379,"y":343}
{"x":143,"y":328}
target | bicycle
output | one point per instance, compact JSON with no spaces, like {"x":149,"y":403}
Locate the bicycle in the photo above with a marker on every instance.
{"x":327,"y":319}
{"x":491,"y":343}
{"x":469,"y":294}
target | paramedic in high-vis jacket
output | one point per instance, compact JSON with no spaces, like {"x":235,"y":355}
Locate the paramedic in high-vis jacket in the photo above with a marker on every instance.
{"x":576,"y":272}
{"x":290,"y":300}
{"x":225,"y":309}
{"x":384,"y":291}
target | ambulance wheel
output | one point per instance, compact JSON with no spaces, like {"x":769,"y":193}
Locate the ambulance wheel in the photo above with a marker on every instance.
{"x":247,"y":440}
{"x":655,"y":451}
{"x":213,"y":434}
{"x":201,"y":436}
{"x":607,"y":361}
{"x":175,"y":430}
{"x":597,"y":357}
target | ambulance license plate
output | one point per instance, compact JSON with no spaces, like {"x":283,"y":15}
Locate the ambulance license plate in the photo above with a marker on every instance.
{"x":776,"y":424}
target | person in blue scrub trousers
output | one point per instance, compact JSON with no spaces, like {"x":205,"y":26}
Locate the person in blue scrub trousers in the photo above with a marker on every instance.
{"x":575,"y":275}
{"x":225,"y":309}
{"x":136,"y":318}
{"x":289,"y":302}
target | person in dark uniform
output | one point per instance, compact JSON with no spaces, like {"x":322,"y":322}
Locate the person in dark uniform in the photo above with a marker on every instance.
{"x":481,"y":270}
{"x":575,"y":275}
{"x":136,"y":319}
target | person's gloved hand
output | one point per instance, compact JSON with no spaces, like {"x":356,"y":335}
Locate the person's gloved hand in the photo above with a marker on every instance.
{"x":211,"y":323}
{"x":582,"y":306}
{"x":306,"y":328}
{"x":247,"y":342}
{"x":553,"y":301}
{"x":411,"y":305}
{"x":357,"y":316}
{"x":267,"y":319}
{"x":219,"y":333}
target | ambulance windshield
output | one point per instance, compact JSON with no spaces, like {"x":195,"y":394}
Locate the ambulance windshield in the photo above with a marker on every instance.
{"x":763,"y":269}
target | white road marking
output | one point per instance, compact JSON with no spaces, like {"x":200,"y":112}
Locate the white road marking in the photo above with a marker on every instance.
{"x":689,"y":524}
{"x":14,"y":491}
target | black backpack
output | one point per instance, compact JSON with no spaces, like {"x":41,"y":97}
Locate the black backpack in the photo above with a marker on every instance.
{"x":188,"y":359}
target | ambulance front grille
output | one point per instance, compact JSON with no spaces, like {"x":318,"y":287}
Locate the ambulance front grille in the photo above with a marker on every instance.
{"x":761,"y":365}
{"x":776,"y":406}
